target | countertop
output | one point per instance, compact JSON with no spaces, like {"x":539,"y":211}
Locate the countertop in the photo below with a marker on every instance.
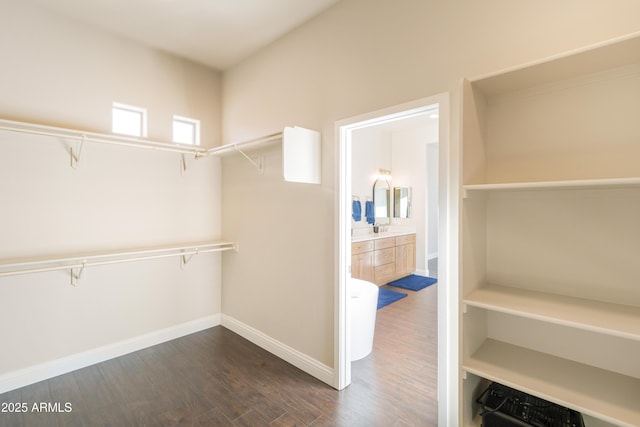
{"x":381,"y":235}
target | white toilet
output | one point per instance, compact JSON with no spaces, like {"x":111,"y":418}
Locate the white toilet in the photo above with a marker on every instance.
{"x":364,"y":304}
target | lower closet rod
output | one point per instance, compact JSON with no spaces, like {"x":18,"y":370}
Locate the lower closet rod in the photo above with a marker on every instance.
{"x":79,"y":264}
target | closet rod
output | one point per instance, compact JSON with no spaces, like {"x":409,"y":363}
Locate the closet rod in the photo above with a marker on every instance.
{"x":79,"y":262}
{"x":81,"y":136}
{"x":238,"y":146}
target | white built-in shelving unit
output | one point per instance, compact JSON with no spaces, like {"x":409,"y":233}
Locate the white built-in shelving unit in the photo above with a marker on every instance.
{"x":550,"y":236}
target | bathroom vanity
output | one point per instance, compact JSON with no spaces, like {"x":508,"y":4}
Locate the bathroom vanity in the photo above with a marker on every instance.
{"x":383,"y":257}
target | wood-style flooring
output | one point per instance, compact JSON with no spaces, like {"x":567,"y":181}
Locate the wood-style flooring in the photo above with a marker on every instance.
{"x":217,"y":378}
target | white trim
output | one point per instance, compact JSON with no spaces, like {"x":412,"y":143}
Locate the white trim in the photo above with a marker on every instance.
{"x":300,"y":360}
{"x":448,"y":378}
{"x":33,"y":374}
{"x":342,"y":323}
{"x":344,"y":129}
{"x":421,"y":272}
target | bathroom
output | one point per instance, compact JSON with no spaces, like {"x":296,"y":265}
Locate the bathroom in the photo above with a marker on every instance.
{"x":394,"y":200}
{"x":398,"y":161}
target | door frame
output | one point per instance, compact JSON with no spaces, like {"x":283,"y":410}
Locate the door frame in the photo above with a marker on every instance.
{"x":447,"y":244}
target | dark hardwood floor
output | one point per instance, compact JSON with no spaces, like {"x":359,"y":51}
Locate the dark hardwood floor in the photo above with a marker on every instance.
{"x":217,"y":378}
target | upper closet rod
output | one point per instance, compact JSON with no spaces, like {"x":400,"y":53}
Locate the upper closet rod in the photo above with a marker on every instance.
{"x":301,"y":147}
{"x":238,"y":146}
{"x":82,"y":136}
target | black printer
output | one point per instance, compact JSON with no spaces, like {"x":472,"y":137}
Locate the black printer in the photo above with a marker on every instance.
{"x":503,"y":406}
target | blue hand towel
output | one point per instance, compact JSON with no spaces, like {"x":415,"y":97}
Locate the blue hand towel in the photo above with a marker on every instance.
{"x":368,"y":207}
{"x":356,"y":210}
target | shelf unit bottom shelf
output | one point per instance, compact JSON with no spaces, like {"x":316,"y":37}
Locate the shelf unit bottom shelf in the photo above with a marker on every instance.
{"x":592,"y":391}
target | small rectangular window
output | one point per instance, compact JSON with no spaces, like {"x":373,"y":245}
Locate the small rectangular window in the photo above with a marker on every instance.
{"x":186,"y":130}
{"x":129,"y":120}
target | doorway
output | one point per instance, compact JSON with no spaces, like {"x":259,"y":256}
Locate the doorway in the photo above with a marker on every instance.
{"x":347,"y":130}
{"x":406,"y":148}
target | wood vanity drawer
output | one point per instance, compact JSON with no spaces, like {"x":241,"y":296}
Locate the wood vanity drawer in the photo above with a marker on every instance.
{"x":384,"y":256}
{"x":407,"y":238}
{"x":389,"y":242}
{"x":360,"y":247}
{"x":382,"y":260}
{"x":385,"y":273}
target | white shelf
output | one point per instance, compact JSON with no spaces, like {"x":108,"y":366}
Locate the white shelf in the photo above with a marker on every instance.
{"x":77,"y":262}
{"x":613,"y":319}
{"x":556,"y":185}
{"x":301,"y":147}
{"x":82,"y":136}
{"x":552,"y":183}
{"x":602,"y":394}
{"x":588,"y":60}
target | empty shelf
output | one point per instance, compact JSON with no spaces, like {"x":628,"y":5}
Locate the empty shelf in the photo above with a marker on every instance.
{"x":597,"y":392}
{"x":556,"y":185}
{"x":613,"y":319}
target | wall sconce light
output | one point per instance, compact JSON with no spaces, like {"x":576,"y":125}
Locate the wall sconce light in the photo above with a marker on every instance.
{"x":384,"y":174}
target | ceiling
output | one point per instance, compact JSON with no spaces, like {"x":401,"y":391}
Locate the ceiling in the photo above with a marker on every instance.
{"x":217,"y":33}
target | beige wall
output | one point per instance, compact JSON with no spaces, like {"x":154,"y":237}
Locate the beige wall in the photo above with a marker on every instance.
{"x":58,"y":72}
{"x":360,"y":56}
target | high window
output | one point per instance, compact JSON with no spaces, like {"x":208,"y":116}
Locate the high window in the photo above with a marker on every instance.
{"x":186,"y":130}
{"x":129,"y":120}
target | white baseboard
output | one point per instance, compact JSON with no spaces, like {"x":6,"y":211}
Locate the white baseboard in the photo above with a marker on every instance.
{"x":23,"y":377}
{"x":300,"y":360}
{"x":33,"y":374}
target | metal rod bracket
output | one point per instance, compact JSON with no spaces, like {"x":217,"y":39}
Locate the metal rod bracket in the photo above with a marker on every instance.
{"x":259,"y":164}
{"x":76,"y":273}
{"x":75,"y":155}
{"x":183,"y":163}
{"x":184,"y":260}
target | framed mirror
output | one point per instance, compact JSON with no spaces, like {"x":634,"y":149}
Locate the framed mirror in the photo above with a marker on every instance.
{"x":381,"y":201}
{"x":402,"y":202}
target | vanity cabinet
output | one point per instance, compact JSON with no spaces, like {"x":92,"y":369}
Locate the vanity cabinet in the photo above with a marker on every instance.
{"x":405,"y":255}
{"x":362,"y":262}
{"x":382,"y":260}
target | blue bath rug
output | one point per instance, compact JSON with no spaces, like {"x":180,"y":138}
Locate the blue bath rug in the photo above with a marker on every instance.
{"x":413,"y":282}
{"x":387,"y":296}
